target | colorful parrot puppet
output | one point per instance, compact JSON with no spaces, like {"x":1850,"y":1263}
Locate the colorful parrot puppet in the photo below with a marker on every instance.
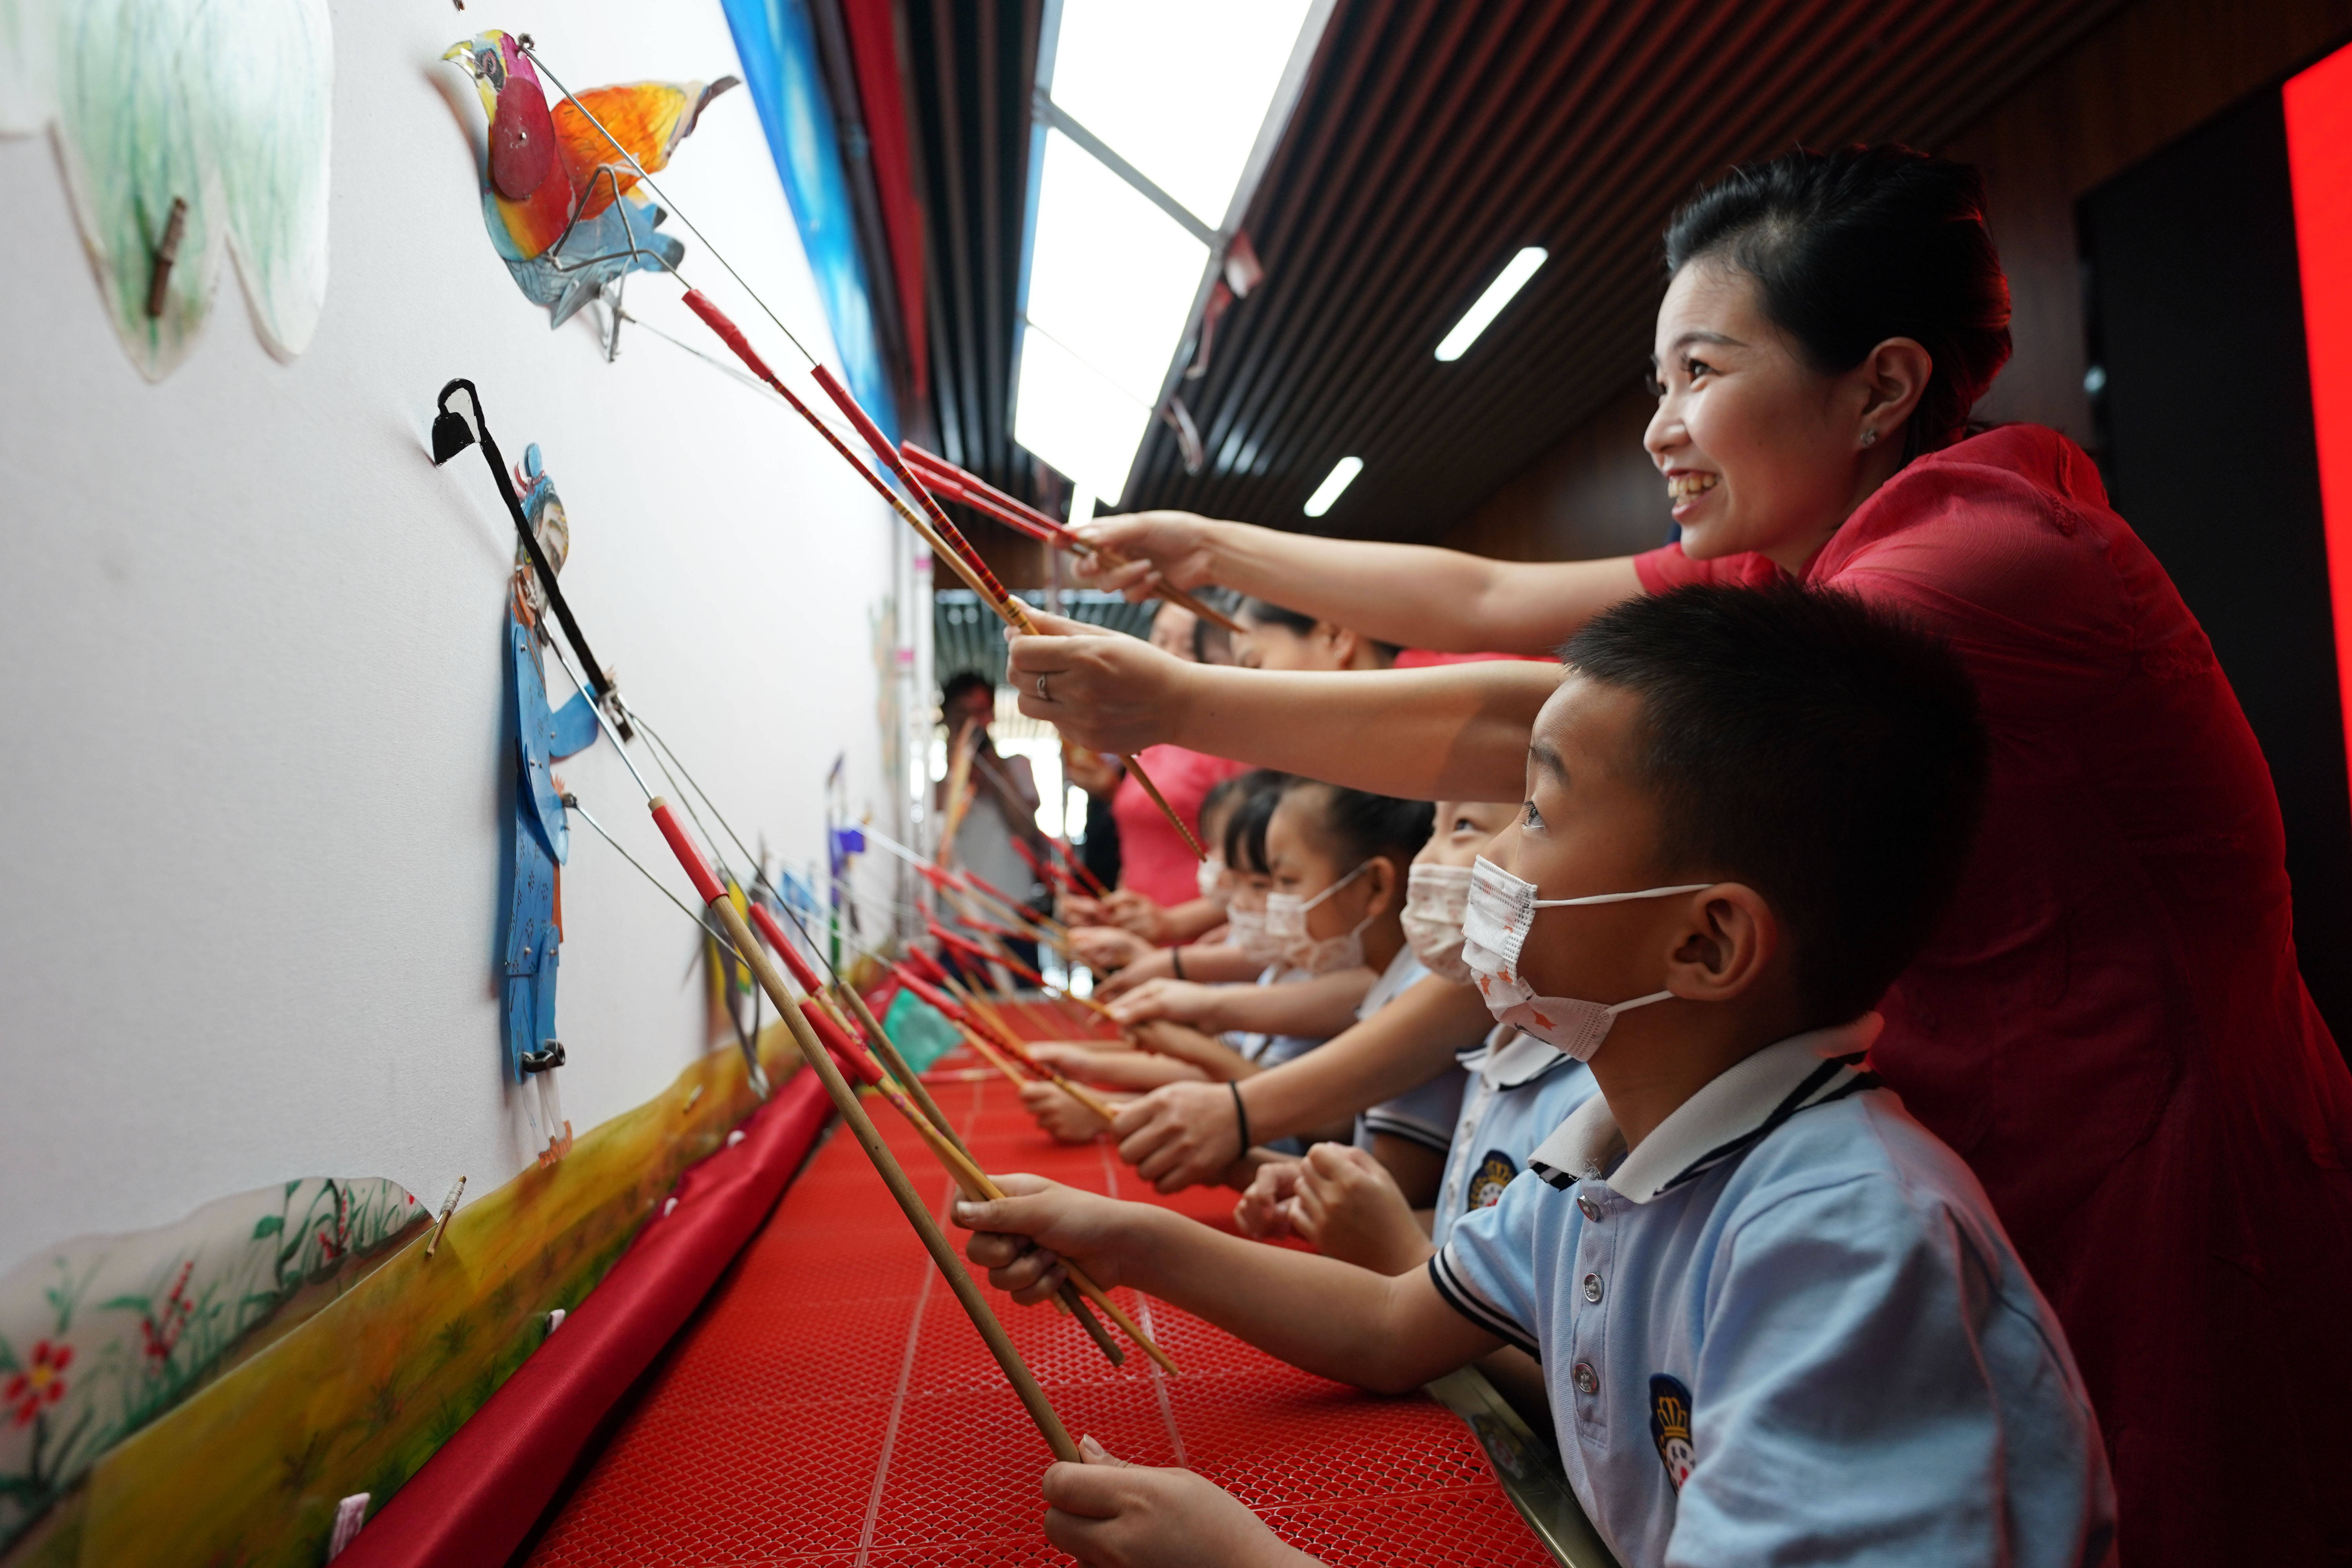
{"x":560,"y":200}
{"x":534,"y":907}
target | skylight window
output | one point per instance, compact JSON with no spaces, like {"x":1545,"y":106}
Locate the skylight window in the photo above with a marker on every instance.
{"x":1154,"y":119}
{"x":1068,"y":413}
{"x":1111,"y":277}
{"x":1179,"y":90}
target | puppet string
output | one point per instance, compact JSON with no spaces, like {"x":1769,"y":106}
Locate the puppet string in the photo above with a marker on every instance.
{"x":731,"y":372}
{"x":639,"y":169}
{"x":571,"y":803}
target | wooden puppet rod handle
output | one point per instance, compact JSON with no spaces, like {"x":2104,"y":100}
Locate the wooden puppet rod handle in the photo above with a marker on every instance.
{"x":965,"y":562}
{"x":975,"y":1185}
{"x":836,"y":1088}
{"x":1006,"y":604}
{"x":951,"y":1151}
{"x":833,"y":1031}
{"x":982,"y":496}
{"x":1010,"y":1042}
{"x":981,"y":1186}
{"x":982,"y":955}
{"x":887,"y":1049}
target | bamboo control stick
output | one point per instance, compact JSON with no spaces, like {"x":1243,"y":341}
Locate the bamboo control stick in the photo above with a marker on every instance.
{"x":986,"y":499}
{"x":982,"y":1187}
{"x":845,"y":1100}
{"x":939,"y":533}
{"x":932,"y":1124}
{"x":1015,"y":612}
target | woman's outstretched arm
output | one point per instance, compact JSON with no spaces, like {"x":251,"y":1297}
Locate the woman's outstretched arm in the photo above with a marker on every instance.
{"x":1414,"y":596}
{"x":1456,"y":733}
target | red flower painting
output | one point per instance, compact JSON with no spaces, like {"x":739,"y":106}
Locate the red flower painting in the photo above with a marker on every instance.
{"x":40,"y":1384}
{"x":161,"y":1330}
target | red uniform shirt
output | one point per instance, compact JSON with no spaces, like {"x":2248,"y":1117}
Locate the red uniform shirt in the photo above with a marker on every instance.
{"x":1153,"y":858}
{"x":2110,"y":1027}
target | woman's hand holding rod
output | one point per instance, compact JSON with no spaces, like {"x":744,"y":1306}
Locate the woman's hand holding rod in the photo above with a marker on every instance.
{"x":1456,"y":733}
{"x":1413,"y":595}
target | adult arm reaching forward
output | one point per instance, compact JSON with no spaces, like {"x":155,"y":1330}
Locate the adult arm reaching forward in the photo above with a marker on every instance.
{"x":1456,"y":733}
{"x":1413,"y":595}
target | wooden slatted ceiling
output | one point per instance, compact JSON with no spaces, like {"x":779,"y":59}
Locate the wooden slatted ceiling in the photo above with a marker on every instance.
{"x":1433,"y":140}
{"x":970,"y":63}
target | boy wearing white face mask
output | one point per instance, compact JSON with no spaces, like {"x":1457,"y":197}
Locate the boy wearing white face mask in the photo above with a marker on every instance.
{"x":1778,"y":1319}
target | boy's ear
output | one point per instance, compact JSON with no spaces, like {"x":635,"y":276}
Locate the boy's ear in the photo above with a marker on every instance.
{"x":1730,"y":940}
{"x":1381,"y":882}
{"x":1342,"y":640}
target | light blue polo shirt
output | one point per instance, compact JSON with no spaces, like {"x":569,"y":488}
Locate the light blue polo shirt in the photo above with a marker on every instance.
{"x":1519,"y":1090}
{"x":1789,"y":1328}
{"x":1425,"y":1113}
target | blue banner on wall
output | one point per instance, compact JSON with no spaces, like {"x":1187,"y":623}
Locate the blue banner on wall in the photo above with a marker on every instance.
{"x":778,"y":46}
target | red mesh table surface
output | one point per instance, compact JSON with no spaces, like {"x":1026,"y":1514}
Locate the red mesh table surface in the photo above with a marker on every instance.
{"x":832,"y":1404}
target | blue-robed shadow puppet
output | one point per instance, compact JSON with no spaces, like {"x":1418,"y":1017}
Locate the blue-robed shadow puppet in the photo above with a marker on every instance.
{"x":537,"y":841}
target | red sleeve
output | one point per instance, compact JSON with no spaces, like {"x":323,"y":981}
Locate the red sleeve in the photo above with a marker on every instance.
{"x":1667,"y":568}
{"x":2050,"y":602}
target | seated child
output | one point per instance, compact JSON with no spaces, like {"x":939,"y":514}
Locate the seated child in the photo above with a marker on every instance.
{"x":1338,"y":861}
{"x":1778,"y":1320}
{"x":1198,"y":949}
{"x":1117,"y":1063}
{"x":1282,"y":1003}
{"x":1316,"y":830}
{"x":1184,"y":1134}
{"x":1159,"y":1050}
{"x":1346,"y":1204}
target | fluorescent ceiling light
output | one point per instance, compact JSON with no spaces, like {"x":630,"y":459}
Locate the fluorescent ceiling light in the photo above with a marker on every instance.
{"x":1342,"y":473}
{"x":1111,"y":277}
{"x":1490,"y":304}
{"x":1066,"y":412}
{"x":1177,"y":90}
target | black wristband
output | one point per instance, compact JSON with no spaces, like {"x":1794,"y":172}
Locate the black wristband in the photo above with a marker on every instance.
{"x":1176,"y":960}
{"x":1241,"y":1117}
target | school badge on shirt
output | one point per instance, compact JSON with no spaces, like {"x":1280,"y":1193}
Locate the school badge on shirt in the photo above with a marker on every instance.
{"x":1486,"y":1184}
{"x":1670,"y":1427}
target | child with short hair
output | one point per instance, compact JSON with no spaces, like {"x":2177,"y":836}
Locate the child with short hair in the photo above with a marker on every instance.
{"x":1778,"y":1317}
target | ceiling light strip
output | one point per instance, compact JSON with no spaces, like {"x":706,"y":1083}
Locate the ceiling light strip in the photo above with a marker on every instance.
{"x":1343,"y":473}
{"x":1489,"y":305}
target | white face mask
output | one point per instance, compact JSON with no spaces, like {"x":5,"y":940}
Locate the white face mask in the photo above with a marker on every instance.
{"x":1245,"y":929}
{"x":1495,"y":925}
{"x":1209,"y":876}
{"x":1435,"y":898}
{"x":1286,"y":921}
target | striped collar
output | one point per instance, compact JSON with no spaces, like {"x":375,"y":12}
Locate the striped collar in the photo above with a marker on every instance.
{"x":1736,"y":1110}
{"x":1509,"y":1060}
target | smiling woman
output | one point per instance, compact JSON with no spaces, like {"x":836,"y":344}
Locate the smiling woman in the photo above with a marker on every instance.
{"x":2109,"y":1026}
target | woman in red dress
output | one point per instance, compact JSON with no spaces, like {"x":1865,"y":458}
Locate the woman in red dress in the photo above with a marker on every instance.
{"x":2111,"y":1026}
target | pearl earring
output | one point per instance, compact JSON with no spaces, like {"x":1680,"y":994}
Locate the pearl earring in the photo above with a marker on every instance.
{"x":1870,"y":437}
